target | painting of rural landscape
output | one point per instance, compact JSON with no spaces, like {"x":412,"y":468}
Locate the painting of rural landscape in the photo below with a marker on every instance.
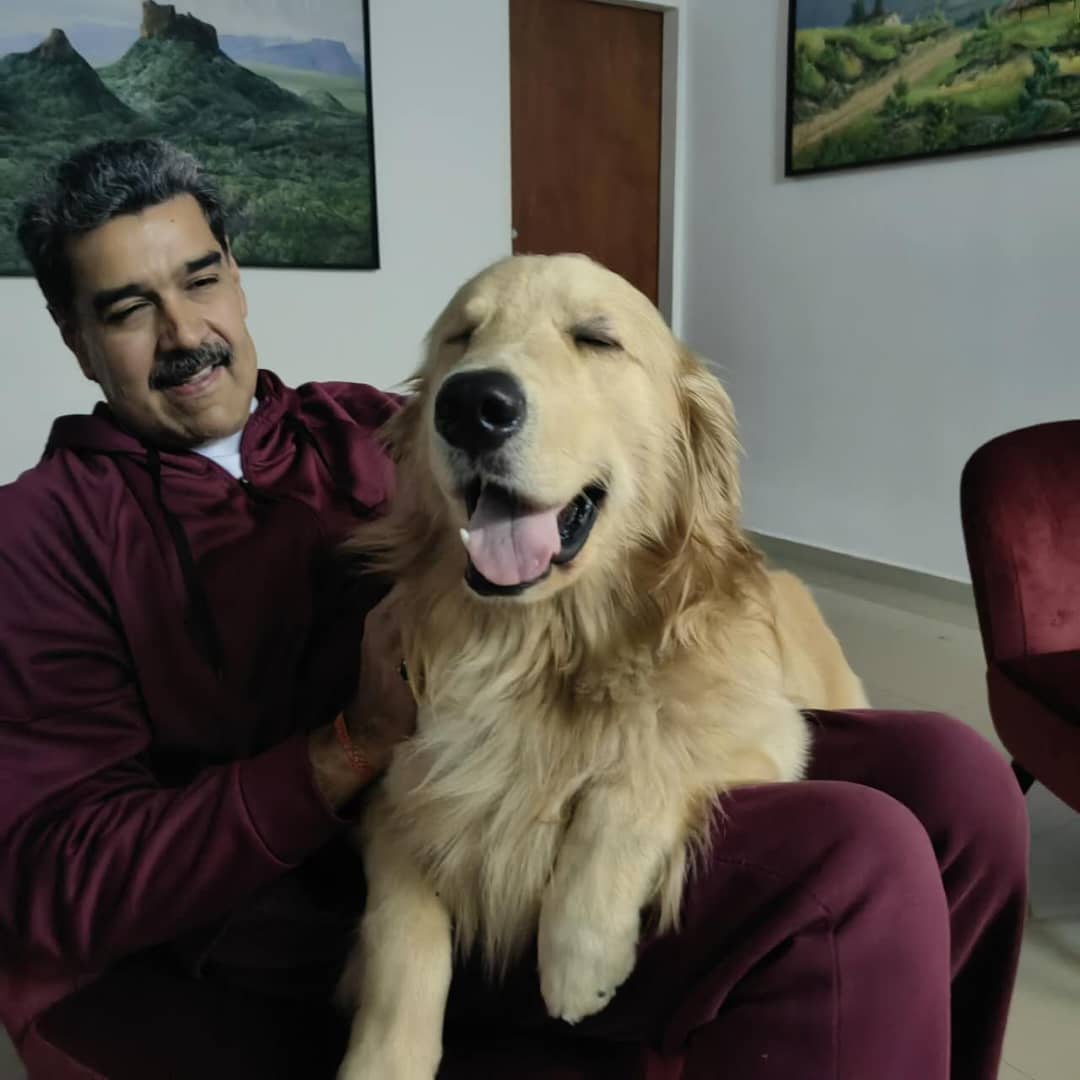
{"x":273,"y":97}
{"x":885,"y":80}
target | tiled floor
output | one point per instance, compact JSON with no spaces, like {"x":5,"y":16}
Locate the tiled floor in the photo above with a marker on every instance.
{"x":917,"y":652}
{"x":9,"y":1063}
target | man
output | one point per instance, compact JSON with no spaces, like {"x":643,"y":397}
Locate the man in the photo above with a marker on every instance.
{"x":175,"y":641}
{"x":183,"y":733}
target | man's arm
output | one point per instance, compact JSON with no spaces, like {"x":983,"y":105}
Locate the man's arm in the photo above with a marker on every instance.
{"x":338,"y":779}
{"x":110,"y":862}
{"x":346,"y":758}
{"x":97,"y":858}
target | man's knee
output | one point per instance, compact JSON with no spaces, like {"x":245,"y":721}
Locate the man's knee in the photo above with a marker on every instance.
{"x":862,"y":839}
{"x":831,"y":882}
{"x":954,"y":780}
{"x":838,"y":840}
{"x":965,"y":793}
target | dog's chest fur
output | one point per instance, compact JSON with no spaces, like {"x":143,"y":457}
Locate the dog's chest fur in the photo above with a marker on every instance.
{"x":484,"y":794}
{"x":513,"y":729}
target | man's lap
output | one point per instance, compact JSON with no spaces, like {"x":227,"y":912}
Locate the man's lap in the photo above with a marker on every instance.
{"x":189,"y":1027}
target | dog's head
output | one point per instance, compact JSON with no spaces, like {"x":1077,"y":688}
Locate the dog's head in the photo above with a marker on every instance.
{"x":563,"y":432}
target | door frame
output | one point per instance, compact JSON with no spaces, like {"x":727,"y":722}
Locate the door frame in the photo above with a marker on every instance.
{"x":673,"y":125}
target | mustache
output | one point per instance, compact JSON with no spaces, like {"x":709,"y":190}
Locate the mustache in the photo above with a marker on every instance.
{"x":176,"y":367}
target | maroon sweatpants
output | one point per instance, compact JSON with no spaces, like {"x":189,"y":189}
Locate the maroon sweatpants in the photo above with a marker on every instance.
{"x":862,"y":925}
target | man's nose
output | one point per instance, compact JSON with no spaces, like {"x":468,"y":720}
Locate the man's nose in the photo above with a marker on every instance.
{"x":183,"y":326}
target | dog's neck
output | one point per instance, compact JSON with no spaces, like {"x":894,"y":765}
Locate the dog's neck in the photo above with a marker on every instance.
{"x":568,"y":645}
{"x":650,"y":604}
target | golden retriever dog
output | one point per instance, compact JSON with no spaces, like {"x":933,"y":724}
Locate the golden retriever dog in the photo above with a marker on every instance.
{"x":596,"y":650}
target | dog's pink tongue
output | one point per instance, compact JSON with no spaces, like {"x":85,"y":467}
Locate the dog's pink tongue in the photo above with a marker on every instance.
{"x":508,"y":545}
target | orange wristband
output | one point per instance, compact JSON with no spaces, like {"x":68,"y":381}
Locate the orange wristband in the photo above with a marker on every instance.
{"x":358,"y":762}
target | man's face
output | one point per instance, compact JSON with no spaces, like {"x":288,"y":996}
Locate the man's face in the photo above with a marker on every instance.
{"x":159,"y":324}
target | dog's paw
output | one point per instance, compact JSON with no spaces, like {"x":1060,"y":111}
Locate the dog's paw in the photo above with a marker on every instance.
{"x":582,"y":966}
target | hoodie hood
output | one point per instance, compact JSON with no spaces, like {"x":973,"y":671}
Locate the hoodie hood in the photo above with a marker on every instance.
{"x":324,"y":416}
{"x":100,"y":432}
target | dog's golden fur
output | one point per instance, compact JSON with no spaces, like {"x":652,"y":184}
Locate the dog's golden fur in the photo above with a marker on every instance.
{"x":571,"y":741}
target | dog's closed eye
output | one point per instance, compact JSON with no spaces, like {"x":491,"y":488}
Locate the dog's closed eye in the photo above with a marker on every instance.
{"x":462,"y":337}
{"x":594,"y":334}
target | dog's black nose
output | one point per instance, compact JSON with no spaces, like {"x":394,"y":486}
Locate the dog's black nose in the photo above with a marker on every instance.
{"x":477,"y":411}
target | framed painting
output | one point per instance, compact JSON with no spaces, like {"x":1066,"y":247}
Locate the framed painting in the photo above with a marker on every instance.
{"x":891,"y":80}
{"x":273,"y":97}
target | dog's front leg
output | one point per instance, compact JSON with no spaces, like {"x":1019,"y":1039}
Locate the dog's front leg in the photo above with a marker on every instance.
{"x":398,"y":976}
{"x":590,"y":918}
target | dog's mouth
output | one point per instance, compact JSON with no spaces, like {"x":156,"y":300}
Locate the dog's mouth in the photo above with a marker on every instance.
{"x":513,"y":545}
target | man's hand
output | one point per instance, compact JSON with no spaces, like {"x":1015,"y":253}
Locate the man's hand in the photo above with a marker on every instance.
{"x":381,"y":713}
{"x":383,"y":710}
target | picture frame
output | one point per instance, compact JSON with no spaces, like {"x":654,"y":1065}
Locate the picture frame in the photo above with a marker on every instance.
{"x":872,"y":82}
{"x":274,"y":99}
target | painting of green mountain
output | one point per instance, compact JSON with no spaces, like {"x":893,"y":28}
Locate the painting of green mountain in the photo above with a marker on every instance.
{"x":885,"y":80}
{"x":272,"y":97}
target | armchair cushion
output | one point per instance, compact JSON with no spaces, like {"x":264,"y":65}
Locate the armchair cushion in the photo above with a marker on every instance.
{"x":1027,"y":696}
{"x":1053,"y":678}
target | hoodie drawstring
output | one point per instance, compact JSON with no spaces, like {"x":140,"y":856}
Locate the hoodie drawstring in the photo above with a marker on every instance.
{"x":202,"y":615}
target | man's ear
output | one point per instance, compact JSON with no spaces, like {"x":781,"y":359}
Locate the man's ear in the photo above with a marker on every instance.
{"x":72,"y":336}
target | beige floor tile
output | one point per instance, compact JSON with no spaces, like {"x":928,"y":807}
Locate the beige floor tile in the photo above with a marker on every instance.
{"x":1055,"y":873}
{"x":909,"y":657}
{"x":1009,"y":1073}
{"x":1048,"y":812}
{"x":10,"y":1066}
{"x":1043,"y":1036}
{"x":885,"y":698}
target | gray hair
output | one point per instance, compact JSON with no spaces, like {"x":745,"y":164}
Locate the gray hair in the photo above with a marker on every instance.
{"x":93,"y":186}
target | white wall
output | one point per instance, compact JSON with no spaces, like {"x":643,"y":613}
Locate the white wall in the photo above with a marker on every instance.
{"x":874,"y":326}
{"x":441,"y":102}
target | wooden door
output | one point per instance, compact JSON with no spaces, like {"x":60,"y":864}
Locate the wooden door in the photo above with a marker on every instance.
{"x":585,"y":107}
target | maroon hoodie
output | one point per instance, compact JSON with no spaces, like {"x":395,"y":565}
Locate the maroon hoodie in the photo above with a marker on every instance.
{"x":167,"y":635}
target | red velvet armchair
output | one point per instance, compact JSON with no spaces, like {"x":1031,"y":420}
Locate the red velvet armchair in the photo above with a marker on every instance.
{"x":1020,"y":506}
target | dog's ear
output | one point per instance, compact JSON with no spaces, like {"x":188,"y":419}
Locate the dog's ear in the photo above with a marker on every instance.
{"x":704,"y":551}
{"x":710,"y":452}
